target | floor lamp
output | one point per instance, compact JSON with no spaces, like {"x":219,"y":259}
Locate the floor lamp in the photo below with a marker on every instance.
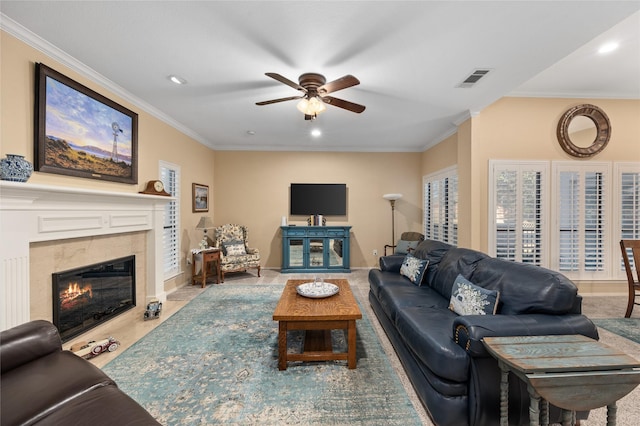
{"x":392,"y":199}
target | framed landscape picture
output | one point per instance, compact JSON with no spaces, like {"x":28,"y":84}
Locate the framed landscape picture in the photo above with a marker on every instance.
{"x":200,"y":198}
{"x":79,"y":132}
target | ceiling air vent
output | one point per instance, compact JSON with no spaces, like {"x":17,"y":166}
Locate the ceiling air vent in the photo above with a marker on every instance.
{"x":473,"y":78}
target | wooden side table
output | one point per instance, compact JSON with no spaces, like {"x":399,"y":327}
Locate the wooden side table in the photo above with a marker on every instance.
{"x":208,"y":256}
{"x":574,"y":373}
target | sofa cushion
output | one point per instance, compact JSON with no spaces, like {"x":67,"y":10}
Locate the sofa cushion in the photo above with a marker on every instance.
{"x":432,"y":251}
{"x":395,"y":299}
{"x":469,"y":299}
{"x":395,"y":293}
{"x":379,"y":279}
{"x":414,"y":269}
{"x":455,"y":261}
{"x":427,"y":331}
{"x":525,"y":288}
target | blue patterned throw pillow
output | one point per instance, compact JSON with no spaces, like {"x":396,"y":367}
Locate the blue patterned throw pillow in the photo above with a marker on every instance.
{"x":469,"y":299}
{"x":414,"y":269}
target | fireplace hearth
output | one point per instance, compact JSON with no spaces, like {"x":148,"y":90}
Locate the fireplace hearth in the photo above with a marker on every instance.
{"x":88,"y":296}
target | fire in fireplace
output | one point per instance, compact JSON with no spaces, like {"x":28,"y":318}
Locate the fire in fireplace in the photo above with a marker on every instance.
{"x":88,"y":296}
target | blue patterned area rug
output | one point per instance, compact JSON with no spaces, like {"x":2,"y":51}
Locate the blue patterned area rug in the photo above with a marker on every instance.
{"x":628,"y":328}
{"x":216,"y":362}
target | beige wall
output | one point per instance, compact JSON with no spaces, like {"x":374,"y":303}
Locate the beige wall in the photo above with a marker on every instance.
{"x":525,"y":128}
{"x":156,"y":140}
{"x":441,"y":156}
{"x":521,"y":128}
{"x":253,"y":189}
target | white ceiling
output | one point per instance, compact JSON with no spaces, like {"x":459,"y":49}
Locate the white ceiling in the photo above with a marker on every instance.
{"x":408,"y":55}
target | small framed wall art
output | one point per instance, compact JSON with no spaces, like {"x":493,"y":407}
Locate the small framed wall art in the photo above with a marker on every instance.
{"x":79,"y":132}
{"x":200,"y":198}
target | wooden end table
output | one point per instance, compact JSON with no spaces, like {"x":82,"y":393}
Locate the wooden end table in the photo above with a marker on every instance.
{"x":317,"y":317}
{"x":208,"y":255}
{"x":574,"y":373}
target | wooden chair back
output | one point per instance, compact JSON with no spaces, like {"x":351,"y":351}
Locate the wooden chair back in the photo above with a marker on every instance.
{"x":634,"y":281}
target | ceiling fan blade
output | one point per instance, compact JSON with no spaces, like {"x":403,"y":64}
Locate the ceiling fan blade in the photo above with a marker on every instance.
{"x":341,"y":103}
{"x":286,"y":81}
{"x":273,"y":101}
{"x":339,"y":84}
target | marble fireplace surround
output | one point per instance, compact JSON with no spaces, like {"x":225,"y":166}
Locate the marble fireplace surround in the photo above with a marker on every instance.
{"x":32,"y":213}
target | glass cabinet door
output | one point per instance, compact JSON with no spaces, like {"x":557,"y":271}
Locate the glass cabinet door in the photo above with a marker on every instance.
{"x":335,"y":252}
{"x":296,"y":253}
{"x":316,"y":253}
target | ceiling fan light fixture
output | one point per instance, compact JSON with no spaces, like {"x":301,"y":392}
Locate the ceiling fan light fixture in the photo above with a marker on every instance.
{"x":311,"y":106}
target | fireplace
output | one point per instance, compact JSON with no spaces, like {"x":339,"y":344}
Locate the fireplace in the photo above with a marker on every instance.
{"x":48,"y":216}
{"x":88,"y":296}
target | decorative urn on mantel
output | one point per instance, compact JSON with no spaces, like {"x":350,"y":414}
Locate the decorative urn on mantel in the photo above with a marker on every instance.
{"x":15,"y":168}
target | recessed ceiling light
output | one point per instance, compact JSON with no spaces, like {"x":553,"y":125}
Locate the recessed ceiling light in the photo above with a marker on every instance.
{"x":608,"y":47}
{"x":251,"y":132}
{"x":177,"y":80}
{"x":316,"y":133}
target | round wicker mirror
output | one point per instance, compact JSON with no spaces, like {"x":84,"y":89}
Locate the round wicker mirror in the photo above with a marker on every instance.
{"x":577,"y":125}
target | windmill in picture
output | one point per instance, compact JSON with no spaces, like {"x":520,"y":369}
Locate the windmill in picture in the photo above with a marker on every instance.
{"x":116,"y":128}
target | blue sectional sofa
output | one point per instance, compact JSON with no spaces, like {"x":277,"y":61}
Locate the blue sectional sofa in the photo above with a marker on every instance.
{"x":442,"y":352}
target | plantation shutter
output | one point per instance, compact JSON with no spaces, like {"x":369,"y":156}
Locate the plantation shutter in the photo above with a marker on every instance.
{"x":517,"y":205}
{"x":582,"y":198}
{"x":629,"y":208}
{"x":170,"y":176}
{"x":427,"y":223}
{"x":440,"y":194}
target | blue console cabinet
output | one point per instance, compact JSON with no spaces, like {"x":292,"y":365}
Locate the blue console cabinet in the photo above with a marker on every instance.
{"x":315,"y":249}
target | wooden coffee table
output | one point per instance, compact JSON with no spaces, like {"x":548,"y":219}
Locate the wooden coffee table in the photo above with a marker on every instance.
{"x":317,"y":317}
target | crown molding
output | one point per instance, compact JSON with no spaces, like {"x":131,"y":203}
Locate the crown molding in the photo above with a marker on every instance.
{"x":13,"y":28}
{"x":571,"y":95}
{"x":277,"y":148}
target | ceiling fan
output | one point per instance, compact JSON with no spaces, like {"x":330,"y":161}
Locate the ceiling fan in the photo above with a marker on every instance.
{"x":315,"y":90}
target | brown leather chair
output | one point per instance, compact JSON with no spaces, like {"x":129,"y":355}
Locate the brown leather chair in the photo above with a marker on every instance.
{"x":634,"y":282}
{"x":42,"y":384}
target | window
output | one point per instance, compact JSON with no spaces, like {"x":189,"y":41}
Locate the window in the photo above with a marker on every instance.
{"x":627,"y":206}
{"x":170,"y":176}
{"x":590,"y":209}
{"x":582,"y":219}
{"x":440,"y":197}
{"x":517,"y":216}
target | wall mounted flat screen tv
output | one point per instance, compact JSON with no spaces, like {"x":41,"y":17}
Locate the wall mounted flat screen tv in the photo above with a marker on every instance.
{"x":329,"y":199}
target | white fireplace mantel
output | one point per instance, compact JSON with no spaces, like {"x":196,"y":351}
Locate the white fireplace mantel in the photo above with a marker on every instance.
{"x":34,"y":213}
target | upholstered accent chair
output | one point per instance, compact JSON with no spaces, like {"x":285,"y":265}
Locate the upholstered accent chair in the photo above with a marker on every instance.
{"x":236,"y":255}
{"x":408,"y":242}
